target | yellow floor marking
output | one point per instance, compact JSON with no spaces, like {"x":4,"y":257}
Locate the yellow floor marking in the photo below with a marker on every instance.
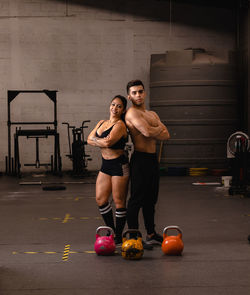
{"x":38,"y":252}
{"x":66,"y":253}
{"x":66,"y":218}
{"x":75,"y":198}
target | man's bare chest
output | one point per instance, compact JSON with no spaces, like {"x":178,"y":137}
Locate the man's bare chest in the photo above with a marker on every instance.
{"x":150,"y":118}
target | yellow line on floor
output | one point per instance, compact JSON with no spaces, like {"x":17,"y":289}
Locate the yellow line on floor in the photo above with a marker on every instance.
{"x":74,"y":198}
{"x":66,"y":218}
{"x":65,"y":253}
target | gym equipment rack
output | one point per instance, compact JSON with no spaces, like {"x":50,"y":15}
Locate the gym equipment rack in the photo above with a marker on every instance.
{"x":77,"y":152}
{"x":238,"y":153}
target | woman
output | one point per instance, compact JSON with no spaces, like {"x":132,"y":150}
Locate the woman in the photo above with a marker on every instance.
{"x":111,"y":136}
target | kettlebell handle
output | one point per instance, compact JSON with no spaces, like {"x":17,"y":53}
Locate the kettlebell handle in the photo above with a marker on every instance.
{"x":176,"y":227}
{"x":129,"y":231}
{"x":107,"y":228}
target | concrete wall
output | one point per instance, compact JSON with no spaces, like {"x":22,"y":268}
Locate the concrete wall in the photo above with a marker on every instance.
{"x":88,"y":51}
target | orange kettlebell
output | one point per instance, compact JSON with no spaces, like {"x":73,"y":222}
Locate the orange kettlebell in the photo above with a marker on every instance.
{"x":172,"y":245}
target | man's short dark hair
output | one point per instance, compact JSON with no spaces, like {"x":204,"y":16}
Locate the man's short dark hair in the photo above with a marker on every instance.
{"x":134,"y":83}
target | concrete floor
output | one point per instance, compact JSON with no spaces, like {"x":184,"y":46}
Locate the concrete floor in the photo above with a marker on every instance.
{"x":36,"y":227}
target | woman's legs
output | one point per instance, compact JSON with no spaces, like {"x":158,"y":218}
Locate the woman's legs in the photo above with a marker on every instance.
{"x":119,"y":191}
{"x":103,"y":191}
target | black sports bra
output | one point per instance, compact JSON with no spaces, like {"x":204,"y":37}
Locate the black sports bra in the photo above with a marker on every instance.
{"x":119,"y":145}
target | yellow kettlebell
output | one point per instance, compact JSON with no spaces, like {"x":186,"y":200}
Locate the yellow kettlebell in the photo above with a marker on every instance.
{"x":172,"y":245}
{"x":132,"y":249}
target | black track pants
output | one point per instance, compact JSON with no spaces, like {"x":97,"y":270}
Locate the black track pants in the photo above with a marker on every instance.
{"x":144,"y":173}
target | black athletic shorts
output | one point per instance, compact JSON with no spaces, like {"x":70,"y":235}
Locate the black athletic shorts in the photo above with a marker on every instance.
{"x":116,"y":167}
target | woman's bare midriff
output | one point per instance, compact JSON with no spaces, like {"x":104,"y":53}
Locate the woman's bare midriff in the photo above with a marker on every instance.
{"x":109,"y":154}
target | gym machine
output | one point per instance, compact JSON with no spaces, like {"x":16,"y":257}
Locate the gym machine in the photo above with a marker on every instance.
{"x":77,"y":149}
{"x":13,"y":165}
{"x":238,"y":153}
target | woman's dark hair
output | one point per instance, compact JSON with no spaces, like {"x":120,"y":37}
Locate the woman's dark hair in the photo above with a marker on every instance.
{"x":134,"y":83}
{"x":124,"y":102}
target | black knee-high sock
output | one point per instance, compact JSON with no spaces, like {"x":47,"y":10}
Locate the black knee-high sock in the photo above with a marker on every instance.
{"x":121,"y":217}
{"x":107,"y":215}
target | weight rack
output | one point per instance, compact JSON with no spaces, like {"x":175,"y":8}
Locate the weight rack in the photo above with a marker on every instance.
{"x":13,"y":165}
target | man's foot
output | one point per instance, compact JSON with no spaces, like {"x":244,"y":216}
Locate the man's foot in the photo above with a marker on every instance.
{"x":154,"y":239}
{"x":147,"y":246}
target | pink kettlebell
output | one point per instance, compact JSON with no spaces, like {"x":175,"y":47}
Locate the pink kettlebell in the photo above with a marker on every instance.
{"x":104,"y":244}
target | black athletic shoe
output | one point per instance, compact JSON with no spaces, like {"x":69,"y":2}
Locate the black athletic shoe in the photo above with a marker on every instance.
{"x":156,"y":239}
{"x":147,"y":246}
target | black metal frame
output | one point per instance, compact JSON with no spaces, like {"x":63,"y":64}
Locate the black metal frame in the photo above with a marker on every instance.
{"x":77,"y":152}
{"x":240,"y":168}
{"x":13,"y":165}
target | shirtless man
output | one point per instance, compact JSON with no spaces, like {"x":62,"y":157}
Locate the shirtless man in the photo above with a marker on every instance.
{"x":145,"y":129}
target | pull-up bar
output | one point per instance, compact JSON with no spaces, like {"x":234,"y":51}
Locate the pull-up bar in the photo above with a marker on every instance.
{"x":12,"y":164}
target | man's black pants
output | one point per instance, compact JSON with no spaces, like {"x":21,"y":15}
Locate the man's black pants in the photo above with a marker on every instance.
{"x":144,"y":173}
